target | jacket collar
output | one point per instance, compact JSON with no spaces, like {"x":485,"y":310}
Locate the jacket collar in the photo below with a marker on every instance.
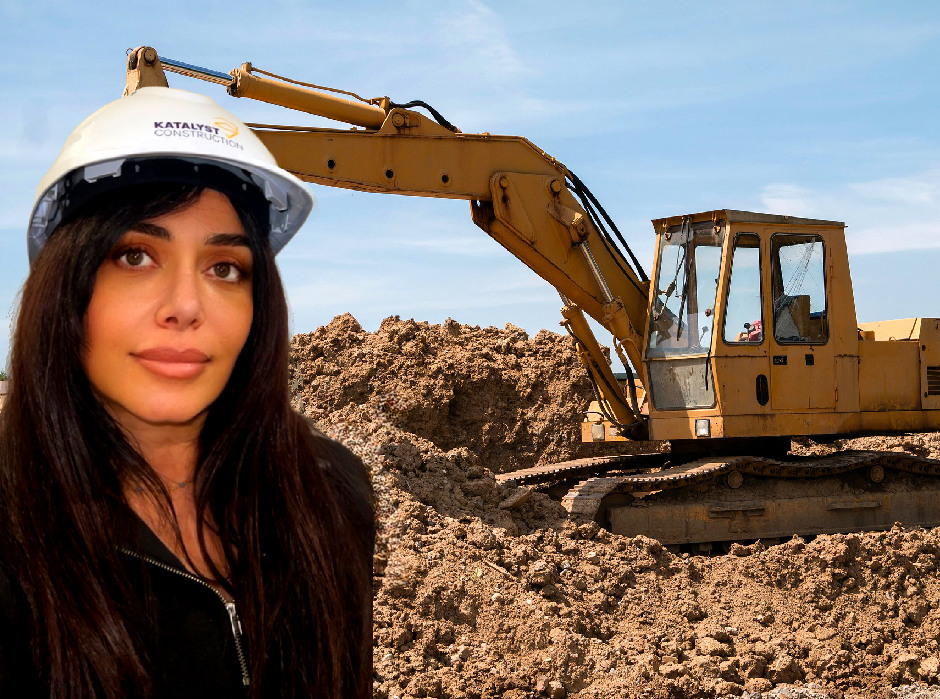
{"x":144,"y":542}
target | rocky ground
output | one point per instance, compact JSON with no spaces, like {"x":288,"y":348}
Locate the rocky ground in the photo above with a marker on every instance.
{"x":476,"y":600}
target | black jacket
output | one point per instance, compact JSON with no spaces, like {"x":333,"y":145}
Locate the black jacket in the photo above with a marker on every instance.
{"x":194,"y":643}
{"x":198,"y":635}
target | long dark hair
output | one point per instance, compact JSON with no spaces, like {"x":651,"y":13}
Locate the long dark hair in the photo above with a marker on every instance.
{"x":288,"y":504}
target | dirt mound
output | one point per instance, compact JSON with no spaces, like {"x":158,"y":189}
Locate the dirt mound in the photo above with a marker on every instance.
{"x":510,"y":399}
{"x":467,"y":610}
{"x":474,"y":598}
{"x":920,"y":444}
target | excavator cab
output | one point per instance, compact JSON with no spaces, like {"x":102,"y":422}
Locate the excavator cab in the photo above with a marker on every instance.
{"x":752,"y":337}
{"x":751,"y":323}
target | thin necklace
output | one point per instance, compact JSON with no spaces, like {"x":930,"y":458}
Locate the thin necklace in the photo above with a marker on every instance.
{"x":170,"y":485}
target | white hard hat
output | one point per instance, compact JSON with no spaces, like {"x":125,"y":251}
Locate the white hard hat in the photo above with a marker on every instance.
{"x":164,"y":134}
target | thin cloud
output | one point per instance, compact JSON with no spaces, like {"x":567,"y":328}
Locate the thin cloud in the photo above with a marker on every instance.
{"x":791,"y":200}
{"x":476,"y":36}
{"x":37,"y":130}
{"x":397,"y":291}
{"x":380,"y":235}
{"x":917,"y":191}
{"x":883,"y":215}
{"x":477,"y":54}
{"x":463,"y":246}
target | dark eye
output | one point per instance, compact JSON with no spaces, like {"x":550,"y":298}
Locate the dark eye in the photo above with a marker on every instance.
{"x":226,"y":271}
{"x":134,"y":258}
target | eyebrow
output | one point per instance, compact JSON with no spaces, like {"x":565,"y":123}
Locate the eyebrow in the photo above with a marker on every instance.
{"x":152,"y":229}
{"x":232,"y":239}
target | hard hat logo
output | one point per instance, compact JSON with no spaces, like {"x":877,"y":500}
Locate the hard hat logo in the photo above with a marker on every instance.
{"x":227,"y":127}
{"x":221,"y":131}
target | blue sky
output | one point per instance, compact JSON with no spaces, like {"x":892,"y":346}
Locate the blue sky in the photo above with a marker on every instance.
{"x":822,"y":109}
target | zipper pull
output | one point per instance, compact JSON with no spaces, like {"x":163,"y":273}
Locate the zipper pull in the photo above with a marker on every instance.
{"x":237,"y":635}
{"x":233,"y":617}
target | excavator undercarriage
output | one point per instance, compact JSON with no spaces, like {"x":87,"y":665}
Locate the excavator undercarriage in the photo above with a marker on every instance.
{"x":727,"y":499}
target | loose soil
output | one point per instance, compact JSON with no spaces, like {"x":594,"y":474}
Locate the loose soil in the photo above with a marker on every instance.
{"x":473,"y":600}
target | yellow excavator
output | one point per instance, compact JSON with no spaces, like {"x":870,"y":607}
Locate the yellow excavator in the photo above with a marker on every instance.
{"x":744,"y":336}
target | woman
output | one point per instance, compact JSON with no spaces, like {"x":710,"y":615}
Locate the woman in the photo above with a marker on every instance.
{"x":170,"y":528}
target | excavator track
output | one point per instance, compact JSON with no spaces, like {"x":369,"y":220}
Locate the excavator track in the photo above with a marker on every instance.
{"x":584,"y":498}
{"x":747,"y":497}
{"x":582,"y":468}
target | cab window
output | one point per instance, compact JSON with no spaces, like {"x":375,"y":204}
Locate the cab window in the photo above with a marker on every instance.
{"x":799,"y":288}
{"x":687,"y":288}
{"x":743,"y":320}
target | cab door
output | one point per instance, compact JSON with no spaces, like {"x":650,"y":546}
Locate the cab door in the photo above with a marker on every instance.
{"x":741,"y":364}
{"x":802,"y":361}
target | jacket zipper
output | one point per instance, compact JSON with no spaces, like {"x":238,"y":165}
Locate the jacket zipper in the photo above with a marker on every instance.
{"x":234,"y":619}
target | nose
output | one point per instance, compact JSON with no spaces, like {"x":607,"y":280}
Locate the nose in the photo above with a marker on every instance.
{"x":181,"y":303}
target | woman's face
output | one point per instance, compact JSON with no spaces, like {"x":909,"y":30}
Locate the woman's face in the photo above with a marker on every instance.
{"x":169,"y":315}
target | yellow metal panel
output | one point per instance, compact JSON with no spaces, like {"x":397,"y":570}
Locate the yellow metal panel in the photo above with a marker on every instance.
{"x":930,"y":363}
{"x":843,"y":323}
{"x":792,"y":423}
{"x":610,"y":433}
{"x":807,"y":380}
{"x":800,"y":423}
{"x":682,"y":425}
{"x":736,"y":380}
{"x":788,"y":389}
{"x":821,"y":379}
{"x":902,"y":329}
{"x":889,"y":375}
{"x":900,"y":421}
{"x":847,"y":383}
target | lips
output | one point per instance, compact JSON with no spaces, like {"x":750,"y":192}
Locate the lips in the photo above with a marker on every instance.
{"x":172,"y":355}
{"x":172,"y":363}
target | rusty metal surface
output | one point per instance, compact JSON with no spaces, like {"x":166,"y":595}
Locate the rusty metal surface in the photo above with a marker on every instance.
{"x":580,"y":468}
{"x":766,"y":497}
{"x":705,"y":469}
{"x":774,"y":508}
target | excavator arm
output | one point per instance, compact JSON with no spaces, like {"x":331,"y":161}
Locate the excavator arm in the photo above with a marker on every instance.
{"x":521,"y":196}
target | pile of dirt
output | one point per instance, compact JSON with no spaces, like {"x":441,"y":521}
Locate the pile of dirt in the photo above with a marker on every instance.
{"x":512,"y":400}
{"x":466,"y":610}
{"x":474,"y":599}
{"x":927,"y":444}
